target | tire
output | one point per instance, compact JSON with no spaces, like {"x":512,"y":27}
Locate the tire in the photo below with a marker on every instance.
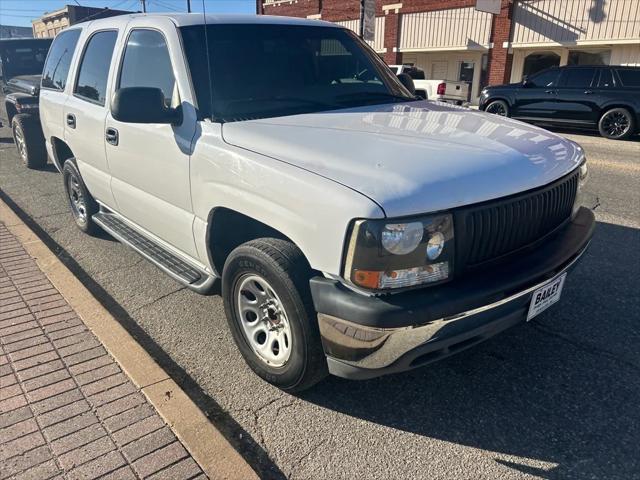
{"x":83,"y":205}
{"x":274,"y":269}
{"x":617,"y":124}
{"x":29,"y":140}
{"x":498,"y":107}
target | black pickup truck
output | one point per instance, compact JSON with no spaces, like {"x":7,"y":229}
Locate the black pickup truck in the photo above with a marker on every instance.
{"x":600,"y":97}
{"x":21,"y":62}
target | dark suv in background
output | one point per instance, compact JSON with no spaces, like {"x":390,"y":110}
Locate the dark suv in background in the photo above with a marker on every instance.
{"x":602,"y":97}
{"x":21,"y":63}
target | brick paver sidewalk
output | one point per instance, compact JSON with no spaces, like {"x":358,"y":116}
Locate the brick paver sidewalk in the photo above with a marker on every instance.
{"x":66,"y":408}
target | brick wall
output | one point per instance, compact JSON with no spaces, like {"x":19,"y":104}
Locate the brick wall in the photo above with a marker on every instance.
{"x":499,"y":58}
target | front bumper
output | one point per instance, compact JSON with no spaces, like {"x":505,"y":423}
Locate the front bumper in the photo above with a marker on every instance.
{"x":365,"y":337}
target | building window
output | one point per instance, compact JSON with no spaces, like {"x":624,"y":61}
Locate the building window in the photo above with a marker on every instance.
{"x":577,"y":57}
{"x":466,"y":71}
{"x":536,"y":62}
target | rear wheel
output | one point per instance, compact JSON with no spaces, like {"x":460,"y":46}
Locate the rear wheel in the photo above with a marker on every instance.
{"x":498,"y":107}
{"x":265,"y":286}
{"x":83,"y":206}
{"x":616,"y":124}
{"x":29,"y":140}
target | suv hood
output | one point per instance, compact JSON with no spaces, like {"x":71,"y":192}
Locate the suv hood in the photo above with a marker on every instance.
{"x":29,"y":84}
{"x":414,"y":157}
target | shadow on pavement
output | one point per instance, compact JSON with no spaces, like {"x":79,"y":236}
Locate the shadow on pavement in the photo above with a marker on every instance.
{"x":563,"y":389}
{"x":241,"y":440}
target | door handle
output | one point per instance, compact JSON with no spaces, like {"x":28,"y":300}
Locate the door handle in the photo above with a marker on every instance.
{"x":549,"y":91}
{"x":111,"y":135}
{"x":71,"y":120}
{"x":588,"y":92}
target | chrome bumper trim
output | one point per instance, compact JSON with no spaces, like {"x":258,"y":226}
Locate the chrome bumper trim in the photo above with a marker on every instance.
{"x":376,"y":348}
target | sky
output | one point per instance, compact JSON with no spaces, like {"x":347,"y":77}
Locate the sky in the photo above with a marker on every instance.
{"x":21,"y":12}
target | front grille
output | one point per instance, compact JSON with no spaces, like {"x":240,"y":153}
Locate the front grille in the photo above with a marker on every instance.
{"x":490,"y":230}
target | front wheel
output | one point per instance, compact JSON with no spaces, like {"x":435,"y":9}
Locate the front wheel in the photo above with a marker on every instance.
{"x":265,"y":287}
{"x":498,"y":107}
{"x":616,"y":124}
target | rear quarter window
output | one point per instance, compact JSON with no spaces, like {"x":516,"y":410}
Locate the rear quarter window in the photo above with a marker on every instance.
{"x":629,"y":77}
{"x":56,"y":68}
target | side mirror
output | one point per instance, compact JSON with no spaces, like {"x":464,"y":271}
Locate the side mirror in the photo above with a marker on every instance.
{"x":143,"y":105}
{"x":526,"y":83}
{"x":407,"y":82}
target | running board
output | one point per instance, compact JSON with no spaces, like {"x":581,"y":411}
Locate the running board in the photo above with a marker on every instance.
{"x":189,"y":275}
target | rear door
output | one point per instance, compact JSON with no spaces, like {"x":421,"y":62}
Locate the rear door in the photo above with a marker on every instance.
{"x":536,"y":99}
{"x":53,"y":90}
{"x":578,"y":96}
{"x":85,"y":112}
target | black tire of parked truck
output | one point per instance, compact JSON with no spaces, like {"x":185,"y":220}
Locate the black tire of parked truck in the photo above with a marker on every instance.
{"x":268,"y":305}
{"x":83,"y":205}
{"x":617,"y":124}
{"x":29,"y":140}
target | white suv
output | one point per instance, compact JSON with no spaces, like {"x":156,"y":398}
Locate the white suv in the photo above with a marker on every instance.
{"x":356,"y":230}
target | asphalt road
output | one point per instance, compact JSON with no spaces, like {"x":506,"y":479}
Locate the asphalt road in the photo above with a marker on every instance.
{"x":556,"y":398}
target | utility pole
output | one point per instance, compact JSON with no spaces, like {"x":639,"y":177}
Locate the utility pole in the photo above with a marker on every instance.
{"x":144,"y":5}
{"x":361,"y":32}
{"x":188,"y":6}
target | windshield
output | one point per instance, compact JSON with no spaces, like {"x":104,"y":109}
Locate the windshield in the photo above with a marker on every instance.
{"x":261,"y":71}
{"x":24,"y":58}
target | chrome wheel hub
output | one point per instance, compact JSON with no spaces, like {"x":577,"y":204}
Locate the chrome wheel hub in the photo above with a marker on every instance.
{"x":263,"y":320}
{"x":77,"y":200}
{"x":18,"y":136}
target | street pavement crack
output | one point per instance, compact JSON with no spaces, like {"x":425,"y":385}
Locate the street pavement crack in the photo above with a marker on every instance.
{"x":301,"y":460}
{"x":589,"y":348}
{"x":157,"y":300}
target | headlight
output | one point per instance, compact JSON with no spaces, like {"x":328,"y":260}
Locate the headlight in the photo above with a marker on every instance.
{"x":384,"y":255}
{"x":22,"y":107}
{"x":583,"y":176}
{"x":402,"y":238}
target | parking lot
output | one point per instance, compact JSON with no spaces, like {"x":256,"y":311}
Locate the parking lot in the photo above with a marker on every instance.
{"x":556,"y":398}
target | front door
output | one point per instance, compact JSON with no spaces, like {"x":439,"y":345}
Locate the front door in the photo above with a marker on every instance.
{"x":536,"y":98}
{"x":150,"y":162}
{"x":85,"y":111}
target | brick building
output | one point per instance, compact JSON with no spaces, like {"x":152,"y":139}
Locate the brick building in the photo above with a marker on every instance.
{"x":51,"y":23}
{"x":450,"y":39}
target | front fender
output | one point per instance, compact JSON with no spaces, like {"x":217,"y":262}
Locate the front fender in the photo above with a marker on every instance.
{"x":314,"y":212}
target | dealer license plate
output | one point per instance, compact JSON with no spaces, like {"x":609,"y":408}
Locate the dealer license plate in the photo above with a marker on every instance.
{"x":546,"y":296}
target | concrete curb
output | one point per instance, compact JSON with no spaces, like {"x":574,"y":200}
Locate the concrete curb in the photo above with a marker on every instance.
{"x":215,"y":455}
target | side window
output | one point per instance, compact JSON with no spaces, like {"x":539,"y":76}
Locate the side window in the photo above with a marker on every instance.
{"x":606,"y":78}
{"x":629,"y":77}
{"x":578,"y":77}
{"x":94,"y":67}
{"x":548,"y":78}
{"x":56,"y":69}
{"x":146,"y":63}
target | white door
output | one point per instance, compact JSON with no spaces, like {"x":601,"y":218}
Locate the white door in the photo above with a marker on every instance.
{"x":85,"y":112}
{"x":150,"y":163}
{"x":439,"y":70}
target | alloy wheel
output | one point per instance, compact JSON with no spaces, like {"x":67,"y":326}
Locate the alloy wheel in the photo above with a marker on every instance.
{"x":21,"y":144}
{"x":616,"y":124}
{"x":263,"y":320}
{"x":497,"y":108}
{"x":76,"y":198}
